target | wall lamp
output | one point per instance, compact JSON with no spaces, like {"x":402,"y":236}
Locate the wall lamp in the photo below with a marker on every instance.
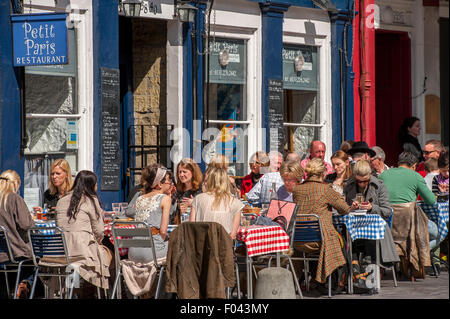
{"x":131,"y":8}
{"x":185,"y":11}
{"x":326,"y":5}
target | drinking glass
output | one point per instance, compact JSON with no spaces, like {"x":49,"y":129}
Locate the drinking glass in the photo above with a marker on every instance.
{"x":116,"y":208}
{"x":123,"y":206}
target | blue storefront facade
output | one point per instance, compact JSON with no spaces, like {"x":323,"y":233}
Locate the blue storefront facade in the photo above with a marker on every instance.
{"x":280,"y":65}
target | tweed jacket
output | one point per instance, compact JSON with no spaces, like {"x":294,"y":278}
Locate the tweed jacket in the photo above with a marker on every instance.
{"x":314,"y":197}
{"x":200,"y":261}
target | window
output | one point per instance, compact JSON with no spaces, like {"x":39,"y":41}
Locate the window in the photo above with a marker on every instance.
{"x":227,"y":112}
{"x":52,"y":120}
{"x":302,"y":121}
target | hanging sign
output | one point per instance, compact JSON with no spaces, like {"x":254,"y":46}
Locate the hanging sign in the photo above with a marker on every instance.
{"x":300,"y":67}
{"x":39,"y":39}
{"x":227,"y":61}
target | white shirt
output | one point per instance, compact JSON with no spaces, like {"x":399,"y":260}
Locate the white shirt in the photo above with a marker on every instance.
{"x":260,"y":193}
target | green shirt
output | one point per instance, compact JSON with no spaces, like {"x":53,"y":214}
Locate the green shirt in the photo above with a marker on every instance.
{"x":404,"y":185}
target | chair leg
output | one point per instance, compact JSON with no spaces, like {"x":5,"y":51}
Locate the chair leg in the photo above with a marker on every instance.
{"x":295,"y":277}
{"x":394,"y":276}
{"x":116,"y":282}
{"x":158,"y":287}
{"x":238,"y":284}
{"x":36,"y":272}
{"x":7,"y":285}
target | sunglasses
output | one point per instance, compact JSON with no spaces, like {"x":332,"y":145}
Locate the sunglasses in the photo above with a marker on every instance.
{"x":428,"y":152}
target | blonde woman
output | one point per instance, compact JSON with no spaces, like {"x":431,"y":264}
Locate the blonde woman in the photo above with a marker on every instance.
{"x":314,"y":196}
{"x":59,"y":183}
{"x":217,"y":204}
{"x":15,"y":217}
{"x":292,"y":174}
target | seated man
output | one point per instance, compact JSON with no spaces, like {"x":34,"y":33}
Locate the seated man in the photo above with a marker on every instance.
{"x":432,"y":149}
{"x":410,"y":224}
{"x":377,"y":161}
{"x":317,"y":150}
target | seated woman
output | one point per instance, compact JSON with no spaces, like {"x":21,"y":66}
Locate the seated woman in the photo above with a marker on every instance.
{"x":221,"y":161}
{"x":292,"y":175}
{"x":342,"y":171}
{"x":217,"y":203}
{"x":314,"y":196}
{"x":189,"y":182}
{"x":376,"y":201}
{"x":440,"y":183}
{"x":59,"y":183}
{"x":79,"y":214}
{"x":16,"y":218}
{"x":153,"y":207}
{"x":257,"y":160}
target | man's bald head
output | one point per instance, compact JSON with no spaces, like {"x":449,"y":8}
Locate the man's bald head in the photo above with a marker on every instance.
{"x":317,"y":149}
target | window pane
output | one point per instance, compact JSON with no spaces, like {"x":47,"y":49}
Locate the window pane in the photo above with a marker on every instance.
{"x":299,"y":139}
{"x":301,"y":107}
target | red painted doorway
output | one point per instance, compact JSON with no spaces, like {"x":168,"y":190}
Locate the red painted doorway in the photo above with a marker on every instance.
{"x":393,"y":89}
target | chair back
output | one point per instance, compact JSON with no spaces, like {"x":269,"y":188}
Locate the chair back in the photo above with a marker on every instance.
{"x":132,"y":234}
{"x":5,"y":245}
{"x":308,"y":228}
{"x":47,"y":242}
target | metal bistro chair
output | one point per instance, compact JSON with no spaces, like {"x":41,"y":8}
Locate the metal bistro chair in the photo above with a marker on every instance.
{"x":308,"y":228}
{"x":139,"y":235}
{"x":11,"y":265}
{"x":392,"y":268}
{"x":48,"y":246}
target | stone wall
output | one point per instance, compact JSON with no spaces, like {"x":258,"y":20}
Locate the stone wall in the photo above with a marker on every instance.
{"x":149,"y":78}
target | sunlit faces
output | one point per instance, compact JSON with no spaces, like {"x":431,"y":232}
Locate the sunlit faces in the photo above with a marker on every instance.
{"x":339,"y":165}
{"x":414,"y":130}
{"x":290,"y":182}
{"x":184,"y":175}
{"x":58,"y":176}
{"x":429,"y":151}
{"x":444,"y":171}
{"x":275,"y":163}
{"x":166,"y":185}
{"x":318,"y":150}
{"x":255,"y":167}
{"x":377,"y":164}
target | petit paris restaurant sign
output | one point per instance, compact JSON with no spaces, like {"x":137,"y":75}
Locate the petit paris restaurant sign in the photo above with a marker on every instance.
{"x":39,"y":39}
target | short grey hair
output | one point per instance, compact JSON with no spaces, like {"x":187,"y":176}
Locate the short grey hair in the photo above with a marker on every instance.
{"x":379,"y":153}
{"x":407,"y":158}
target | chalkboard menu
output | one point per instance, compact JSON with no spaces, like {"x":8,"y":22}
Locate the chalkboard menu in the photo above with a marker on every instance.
{"x":110,"y":131}
{"x":276,"y":132}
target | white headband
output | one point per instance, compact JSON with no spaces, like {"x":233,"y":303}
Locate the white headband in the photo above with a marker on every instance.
{"x":160,"y":173}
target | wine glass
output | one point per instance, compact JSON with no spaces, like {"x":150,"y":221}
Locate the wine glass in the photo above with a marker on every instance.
{"x":116,"y":208}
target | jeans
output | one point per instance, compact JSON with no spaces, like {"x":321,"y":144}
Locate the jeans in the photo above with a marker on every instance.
{"x":434,"y":234}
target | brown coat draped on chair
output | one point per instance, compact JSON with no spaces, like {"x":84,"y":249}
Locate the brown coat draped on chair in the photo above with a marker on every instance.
{"x":410,"y":233}
{"x":200,"y":261}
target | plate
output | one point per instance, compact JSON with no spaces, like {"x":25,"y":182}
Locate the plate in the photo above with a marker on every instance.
{"x":358,"y":212}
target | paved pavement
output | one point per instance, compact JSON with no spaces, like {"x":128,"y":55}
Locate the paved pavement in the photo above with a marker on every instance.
{"x":428,"y":288}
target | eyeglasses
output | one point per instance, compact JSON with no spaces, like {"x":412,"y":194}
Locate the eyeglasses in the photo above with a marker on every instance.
{"x":168,"y":182}
{"x":362,"y":181}
{"x":428,"y":152}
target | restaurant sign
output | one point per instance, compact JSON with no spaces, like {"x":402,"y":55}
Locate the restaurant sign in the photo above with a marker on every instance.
{"x":300,"y":67}
{"x":227,"y":61}
{"x":39,"y":39}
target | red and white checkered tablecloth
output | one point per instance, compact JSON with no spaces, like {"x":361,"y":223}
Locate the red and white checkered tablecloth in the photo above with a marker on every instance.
{"x":262,"y":240}
{"x":108,"y":232}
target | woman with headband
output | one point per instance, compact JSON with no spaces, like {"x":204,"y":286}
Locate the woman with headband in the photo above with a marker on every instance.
{"x":153,"y":207}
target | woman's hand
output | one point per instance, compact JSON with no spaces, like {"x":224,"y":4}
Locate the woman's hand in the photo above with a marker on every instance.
{"x":355,"y":205}
{"x":187,"y":201}
{"x":443,"y":188}
{"x":366,"y":205}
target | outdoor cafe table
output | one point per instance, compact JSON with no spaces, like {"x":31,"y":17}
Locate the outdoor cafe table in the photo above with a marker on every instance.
{"x":438,"y":213}
{"x":261,"y":240}
{"x":368,"y":226}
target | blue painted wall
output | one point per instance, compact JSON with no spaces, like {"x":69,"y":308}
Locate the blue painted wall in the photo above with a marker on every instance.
{"x":10,"y":83}
{"x":105,"y":28}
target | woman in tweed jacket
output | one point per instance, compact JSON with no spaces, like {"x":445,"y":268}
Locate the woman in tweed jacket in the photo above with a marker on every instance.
{"x":316,"y":197}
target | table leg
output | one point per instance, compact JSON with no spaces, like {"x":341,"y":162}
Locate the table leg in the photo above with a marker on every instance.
{"x":278,"y":259}
{"x":249,"y":278}
{"x":378,"y":266}
{"x":350,"y":276}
